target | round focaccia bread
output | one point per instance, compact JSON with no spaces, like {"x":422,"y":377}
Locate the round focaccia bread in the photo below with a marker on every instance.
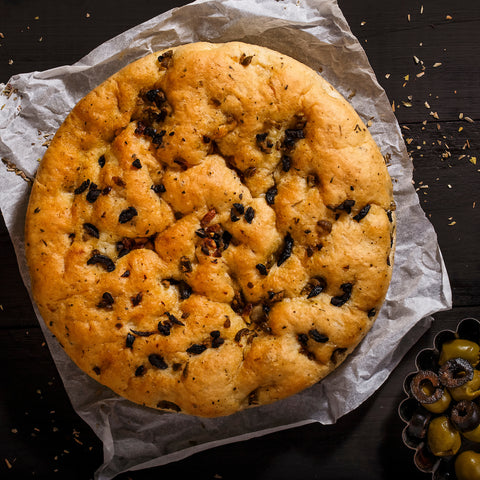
{"x":211,"y":229}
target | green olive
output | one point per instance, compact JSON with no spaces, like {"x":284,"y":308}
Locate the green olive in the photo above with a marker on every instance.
{"x":473,"y":435}
{"x":467,"y":466}
{"x":460,"y":348}
{"x":469,"y":390}
{"x":443,"y":438}
{"x":440,"y":405}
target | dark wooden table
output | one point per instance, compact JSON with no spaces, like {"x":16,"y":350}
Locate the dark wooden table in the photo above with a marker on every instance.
{"x":426,"y":56}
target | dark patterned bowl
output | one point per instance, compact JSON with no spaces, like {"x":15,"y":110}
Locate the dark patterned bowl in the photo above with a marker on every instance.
{"x":417,"y":418}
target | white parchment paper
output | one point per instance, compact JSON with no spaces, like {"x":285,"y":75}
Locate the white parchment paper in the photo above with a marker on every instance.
{"x":33,"y":106}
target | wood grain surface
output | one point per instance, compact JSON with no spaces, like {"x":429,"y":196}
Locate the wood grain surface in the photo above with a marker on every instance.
{"x":426,"y":56}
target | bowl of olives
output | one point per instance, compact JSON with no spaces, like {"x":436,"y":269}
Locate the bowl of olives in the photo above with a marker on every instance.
{"x":442,"y":408}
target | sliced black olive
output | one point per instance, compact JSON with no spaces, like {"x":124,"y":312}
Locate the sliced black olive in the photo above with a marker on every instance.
{"x":127,"y":214}
{"x":93,"y":194}
{"x":339,"y":300}
{"x":287,"y":249}
{"x":226,"y":239}
{"x":157,"y":361}
{"x":196,"y":349}
{"x":362,"y":213}
{"x":286,"y":163}
{"x":157,"y":138}
{"x":302,"y":339}
{"x":317,"y":285}
{"x":151,"y":94}
{"x":271,"y":194}
{"x":158,"y":188}
{"x":184,"y":289}
{"x":261,"y":268}
{"x":83,"y":186}
{"x":164,"y":328}
{"x":217,"y":340}
{"x":465,"y":415}
{"x":240,"y":208}
{"x":107,"y":301}
{"x":261,"y":137}
{"x":345,"y":206}
{"x":317,"y":336}
{"x":91,"y":229}
{"x":136,"y":299}
{"x":103,"y":260}
{"x":156,"y":96}
{"x":455,"y":372}
{"x":249,"y":215}
{"x":426,"y":387}
{"x":292,"y":136}
{"x":129,"y":341}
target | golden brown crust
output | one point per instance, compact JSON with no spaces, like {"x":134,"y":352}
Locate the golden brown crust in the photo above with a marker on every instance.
{"x":211,"y":229}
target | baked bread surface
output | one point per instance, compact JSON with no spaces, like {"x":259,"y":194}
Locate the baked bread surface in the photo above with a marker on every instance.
{"x":211,"y":229}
